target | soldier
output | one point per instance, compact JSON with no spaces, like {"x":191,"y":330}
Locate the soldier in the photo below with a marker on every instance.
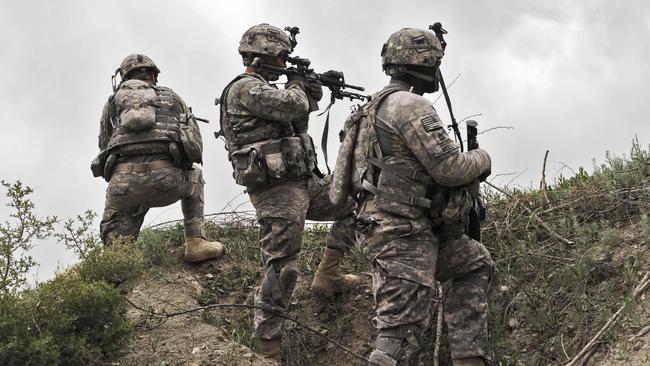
{"x":149,"y":140}
{"x":265,"y":129}
{"x":401,"y":158}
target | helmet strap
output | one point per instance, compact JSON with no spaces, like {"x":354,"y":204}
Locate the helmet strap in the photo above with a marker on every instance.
{"x":420,"y":75}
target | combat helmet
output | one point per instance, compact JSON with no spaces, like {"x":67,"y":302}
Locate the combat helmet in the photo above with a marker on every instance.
{"x":410,"y":46}
{"x":264,"y":39}
{"x":136,"y":61}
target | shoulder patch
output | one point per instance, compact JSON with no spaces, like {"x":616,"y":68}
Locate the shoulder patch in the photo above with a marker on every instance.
{"x":430,"y":124}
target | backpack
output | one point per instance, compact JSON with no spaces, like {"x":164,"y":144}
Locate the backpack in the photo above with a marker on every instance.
{"x":352,"y":166}
{"x":135,"y":102}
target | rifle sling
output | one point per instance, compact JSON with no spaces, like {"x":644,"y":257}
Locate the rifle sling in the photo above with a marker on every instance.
{"x":323,"y":140}
{"x":454,"y":124}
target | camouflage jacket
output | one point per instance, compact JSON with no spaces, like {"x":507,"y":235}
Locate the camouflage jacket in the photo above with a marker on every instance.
{"x":251,"y":104}
{"x":415,"y":156}
{"x":410,"y":132}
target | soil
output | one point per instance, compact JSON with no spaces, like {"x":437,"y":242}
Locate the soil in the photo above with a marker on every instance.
{"x":185,"y":339}
{"x":191,"y":339}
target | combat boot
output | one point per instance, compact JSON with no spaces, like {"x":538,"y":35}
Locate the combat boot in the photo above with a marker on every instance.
{"x":472,"y":361}
{"x":270,"y":348}
{"x":327,"y":281}
{"x":198,"y":249}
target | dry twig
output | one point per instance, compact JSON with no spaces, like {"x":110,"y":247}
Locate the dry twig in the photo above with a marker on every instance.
{"x":165,"y":315}
{"x":587,"y":351}
{"x":537,"y":218}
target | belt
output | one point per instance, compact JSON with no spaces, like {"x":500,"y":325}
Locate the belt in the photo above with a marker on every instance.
{"x":141,"y":167}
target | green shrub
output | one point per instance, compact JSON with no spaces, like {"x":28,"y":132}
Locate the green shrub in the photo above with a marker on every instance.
{"x":67,"y":321}
{"x":119,"y":263}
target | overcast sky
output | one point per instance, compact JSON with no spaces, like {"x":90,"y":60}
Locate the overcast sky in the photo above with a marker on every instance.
{"x":571,"y":77}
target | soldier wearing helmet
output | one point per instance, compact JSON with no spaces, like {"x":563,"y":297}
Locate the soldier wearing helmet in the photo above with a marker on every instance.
{"x":403,"y":158}
{"x":272,"y":155}
{"x":149,"y":141}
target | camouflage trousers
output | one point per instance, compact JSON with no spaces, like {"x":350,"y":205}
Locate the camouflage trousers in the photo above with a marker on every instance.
{"x":282,"y":209}
{"x":407,"y":258}
{"x":130,"y":194}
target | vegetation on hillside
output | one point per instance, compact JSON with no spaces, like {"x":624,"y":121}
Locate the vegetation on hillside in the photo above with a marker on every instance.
{"x":567,"y":257}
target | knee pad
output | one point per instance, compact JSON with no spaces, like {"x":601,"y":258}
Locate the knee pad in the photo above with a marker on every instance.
{"x":279,"y":287}
{"x":287,"y":279}
{"x":399,"y":346}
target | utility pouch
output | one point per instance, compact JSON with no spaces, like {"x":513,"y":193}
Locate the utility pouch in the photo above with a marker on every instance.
{"x":141,"y":119}
{"x":97,"y":165}
{"x":293,"y":154}
{"x":273,"y":156}
{"x":458,"y":207}
{"x":190,"y":136}
{"x":439,"y":200}
{"x":108,"y":167}
{"x":248,"y":170}
{"x":310,"y":152}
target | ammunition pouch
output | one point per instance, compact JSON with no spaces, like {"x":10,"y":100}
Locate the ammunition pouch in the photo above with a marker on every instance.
{"x":288,"y":157}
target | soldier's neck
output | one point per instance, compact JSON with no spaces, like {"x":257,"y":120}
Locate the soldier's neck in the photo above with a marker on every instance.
{"x":402,"y":84}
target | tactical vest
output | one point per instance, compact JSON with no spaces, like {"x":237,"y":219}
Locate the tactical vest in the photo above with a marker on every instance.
{"x":363,"y":168}
{"x":146,"y":119}
{"x":260,"y":150}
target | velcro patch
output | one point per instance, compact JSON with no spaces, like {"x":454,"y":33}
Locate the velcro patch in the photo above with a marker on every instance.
{"x":429,"y":124}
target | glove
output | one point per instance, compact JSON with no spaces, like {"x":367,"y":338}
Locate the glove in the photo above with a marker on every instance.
{"x":316,"y":90}
{"x":296,"y":79}
{"x":484,"y":176}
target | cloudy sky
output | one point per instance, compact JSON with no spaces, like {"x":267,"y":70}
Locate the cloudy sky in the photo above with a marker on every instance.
{"x":570,"y":77}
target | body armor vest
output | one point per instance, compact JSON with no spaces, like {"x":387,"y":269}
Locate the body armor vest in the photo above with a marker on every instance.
{"x":153,"y":137}
{"x":260,"y":149}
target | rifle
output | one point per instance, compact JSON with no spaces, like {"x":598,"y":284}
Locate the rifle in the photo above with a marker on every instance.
{"x":478,"y":213}
{"x":332,"y":79}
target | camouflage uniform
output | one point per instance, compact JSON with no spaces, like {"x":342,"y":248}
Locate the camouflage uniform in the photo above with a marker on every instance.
{"x":147,"y":168}
{"x":282,"y":204}
{"x":407,"y":256}
{"x":397,"y":159}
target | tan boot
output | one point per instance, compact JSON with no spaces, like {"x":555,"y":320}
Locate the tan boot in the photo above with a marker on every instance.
{"x":472,"y":361}
{"x":270,"y":348}
{"x":198,"y":249}
{"x":327,"y":281}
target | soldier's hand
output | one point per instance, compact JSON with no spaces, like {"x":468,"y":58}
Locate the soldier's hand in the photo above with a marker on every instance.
{"x":296,"y":79}
{"x":316,"y":90}
{"x":484,"y":176}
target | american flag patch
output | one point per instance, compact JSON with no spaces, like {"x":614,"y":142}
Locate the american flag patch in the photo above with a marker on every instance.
{"x":429,"y":124}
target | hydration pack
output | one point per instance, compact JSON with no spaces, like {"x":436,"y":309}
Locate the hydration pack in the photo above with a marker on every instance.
{"x":352,"y":165}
